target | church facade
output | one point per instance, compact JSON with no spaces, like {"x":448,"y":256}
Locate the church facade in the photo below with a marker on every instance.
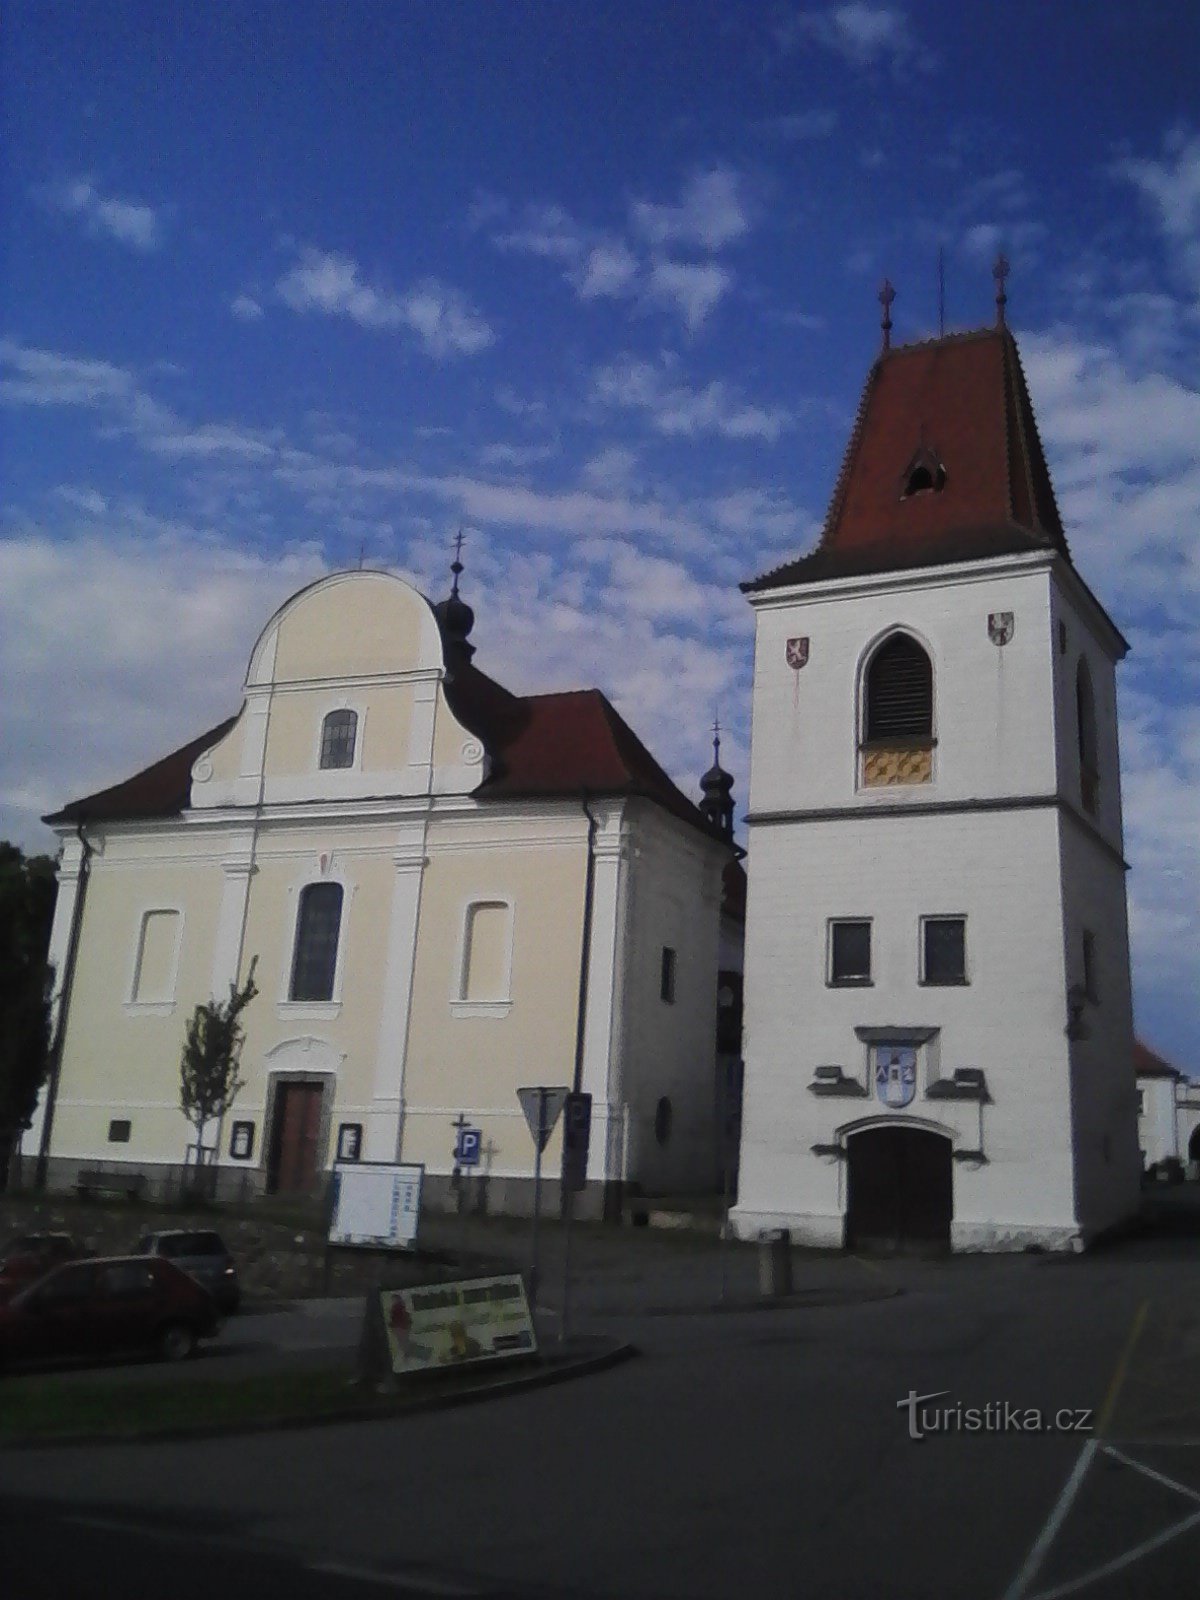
{"x":939,"y":1034}
{"x":449,"y":892}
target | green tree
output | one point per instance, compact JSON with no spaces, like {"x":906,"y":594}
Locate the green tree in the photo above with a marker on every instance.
{"x":208,"y":1069}
{"x":28,"y":887}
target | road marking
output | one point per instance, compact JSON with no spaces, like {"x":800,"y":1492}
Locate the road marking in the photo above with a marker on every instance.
{"x":1121,"y":1562}
{"x":1041,"y":1545}
{"x":1149,"y":1472}
{"x":1118,"y":1377}
{"x":1054,"y":1522}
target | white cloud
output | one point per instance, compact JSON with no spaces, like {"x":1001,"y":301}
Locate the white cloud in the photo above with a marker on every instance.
{"x":44,"y":377}
{"x":246,"y":308}
{"x":677,"y":410}
{"x":692,"y":290}
{"x":863,"y":35}
{"x":712,"y":212}
{"x":441,"y":317}
{"x":129,"y":222}
{"x":543,"y":230}
{"x":610,"y":271}
{"x":1171,"y":188}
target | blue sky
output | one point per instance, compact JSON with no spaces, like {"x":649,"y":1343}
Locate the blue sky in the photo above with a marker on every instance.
{"x":596,"y":282}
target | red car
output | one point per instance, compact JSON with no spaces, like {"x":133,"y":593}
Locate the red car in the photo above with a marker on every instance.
{"x":105,"y":1307}
{"x":29,"y":1256}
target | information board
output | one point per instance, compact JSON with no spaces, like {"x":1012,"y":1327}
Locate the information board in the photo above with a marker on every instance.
{"x":454,"y":1324}
{"x":376,"y":1204}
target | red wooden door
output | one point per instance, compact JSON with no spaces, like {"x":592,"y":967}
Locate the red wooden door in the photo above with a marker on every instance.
{"x":297,"y":1127}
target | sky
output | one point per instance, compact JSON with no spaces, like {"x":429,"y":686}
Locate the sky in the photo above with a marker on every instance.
{"x":290,"y":287}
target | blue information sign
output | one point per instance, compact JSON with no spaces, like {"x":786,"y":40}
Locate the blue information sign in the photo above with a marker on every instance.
{"x":467,"y":1147}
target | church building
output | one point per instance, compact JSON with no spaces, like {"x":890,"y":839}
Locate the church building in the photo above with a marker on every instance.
{"x":939,"y":1034}
{"x":449,"y":891}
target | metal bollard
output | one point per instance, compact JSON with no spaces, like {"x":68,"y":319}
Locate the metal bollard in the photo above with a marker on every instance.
{"x":774,"y":1263}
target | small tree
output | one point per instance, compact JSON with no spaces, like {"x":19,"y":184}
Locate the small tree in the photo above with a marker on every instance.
{"x":208,"y":1070}
{"x":27,"y":894}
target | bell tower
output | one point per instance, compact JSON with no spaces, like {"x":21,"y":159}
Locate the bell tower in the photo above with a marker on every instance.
{"x":939,"y":1024}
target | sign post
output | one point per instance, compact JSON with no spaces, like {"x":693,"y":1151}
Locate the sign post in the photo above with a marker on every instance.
{"x":467,"y":1142}
{"x":541,"y":1107}
{"x":577,"y":1130}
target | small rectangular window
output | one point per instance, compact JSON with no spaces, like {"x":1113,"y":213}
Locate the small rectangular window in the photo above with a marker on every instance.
{"x":850,"y":952}
{"x":119,"y":1130}
{"x":1089,"y":964}
{"x":944,"y":950}
{"x":666,"y":988}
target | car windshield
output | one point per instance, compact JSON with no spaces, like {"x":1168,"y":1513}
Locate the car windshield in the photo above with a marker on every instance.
{"x":191,"y":1244}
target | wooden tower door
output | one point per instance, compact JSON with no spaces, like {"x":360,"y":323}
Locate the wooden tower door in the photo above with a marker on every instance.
{"x":901,"y":1190}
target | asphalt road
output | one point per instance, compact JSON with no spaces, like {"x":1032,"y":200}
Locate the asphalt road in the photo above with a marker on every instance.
{"x":746,"y":1453}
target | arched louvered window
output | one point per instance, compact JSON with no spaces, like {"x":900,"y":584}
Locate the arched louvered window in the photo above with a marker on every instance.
{"x":899,"y":691}
{"x":1085,"y":727}
{"x":897,"y":744}
{"x":318,"y":925}
{"x":338,"y":733}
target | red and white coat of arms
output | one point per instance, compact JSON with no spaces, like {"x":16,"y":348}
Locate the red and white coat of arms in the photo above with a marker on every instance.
{"x":797,"y":653}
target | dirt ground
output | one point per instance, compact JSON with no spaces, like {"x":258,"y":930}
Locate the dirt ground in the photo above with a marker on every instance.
{"x":280,"y":1255}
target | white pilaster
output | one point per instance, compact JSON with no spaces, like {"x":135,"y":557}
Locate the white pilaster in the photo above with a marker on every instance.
{"x":384,"y":1131}
{"x":601,"y":1038}
{"x":238,"y":867}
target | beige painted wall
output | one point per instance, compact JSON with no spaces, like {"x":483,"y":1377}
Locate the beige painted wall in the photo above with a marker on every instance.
{"x":354,"y":624}
{"x":473,"y":1059}
{"x":120,"y":1058}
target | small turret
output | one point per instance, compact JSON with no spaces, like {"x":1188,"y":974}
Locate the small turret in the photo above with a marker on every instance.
{"x":456,"y":619}
{"x":717,"y":788}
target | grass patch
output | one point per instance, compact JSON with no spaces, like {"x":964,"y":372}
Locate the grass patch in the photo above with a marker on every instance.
{"x":47,"y":1406}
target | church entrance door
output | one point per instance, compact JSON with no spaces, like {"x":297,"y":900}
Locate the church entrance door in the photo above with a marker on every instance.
{"x":292,"y":1163}
{"x":901,"y":1190}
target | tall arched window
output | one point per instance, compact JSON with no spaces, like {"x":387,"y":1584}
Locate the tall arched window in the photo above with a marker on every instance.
{"x":897,"y":741}
{"x":318,"y":924}
{"x":338,"y":733}
{"x":1085,"y":727}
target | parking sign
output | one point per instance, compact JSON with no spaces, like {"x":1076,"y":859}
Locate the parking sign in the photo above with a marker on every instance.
{"x":467,"y":1147}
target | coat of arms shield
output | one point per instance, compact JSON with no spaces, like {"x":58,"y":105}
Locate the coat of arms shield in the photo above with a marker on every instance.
{"x":895,"y":1075}
{"x":797,"y":653}
{"x":1001,"y":626}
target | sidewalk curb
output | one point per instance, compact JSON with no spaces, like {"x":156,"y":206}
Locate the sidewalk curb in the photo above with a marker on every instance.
{"x":563,"y":1372}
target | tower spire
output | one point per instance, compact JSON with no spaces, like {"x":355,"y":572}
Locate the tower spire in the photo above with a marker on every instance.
{"x":886,"y":295}
{"x":456,"y":617}
{"x":1000,"y":272}
{"x":717,"y":788}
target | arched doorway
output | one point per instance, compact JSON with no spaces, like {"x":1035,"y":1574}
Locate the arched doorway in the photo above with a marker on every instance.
{"x":900,"y":1189}
{"x":1194,"y":1144}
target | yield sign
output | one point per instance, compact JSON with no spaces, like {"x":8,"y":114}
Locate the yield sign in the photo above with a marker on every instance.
{"x":542,"y":1107}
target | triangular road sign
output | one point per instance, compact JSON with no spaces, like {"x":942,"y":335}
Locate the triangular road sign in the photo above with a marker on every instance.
{"x":542,"y":1108}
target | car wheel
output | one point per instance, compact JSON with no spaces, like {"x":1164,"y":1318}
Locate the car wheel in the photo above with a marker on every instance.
{"x":176,"y":1342}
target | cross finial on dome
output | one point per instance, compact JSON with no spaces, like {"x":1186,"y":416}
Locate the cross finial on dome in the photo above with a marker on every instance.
{"x":1000,"y":272}
{"x":456,"y":566}
{"x":886,"y":295}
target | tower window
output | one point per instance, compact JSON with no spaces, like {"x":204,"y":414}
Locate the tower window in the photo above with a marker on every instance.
{"x":338,"y":733}
{"x":666,"y":984}
{"x":318,"y":926}
{"x":925,"y":474}
{"x":899,"y":691}
{"x":1085,"y":727}
{"x":849,"y":952}
{"x":943,"y":950}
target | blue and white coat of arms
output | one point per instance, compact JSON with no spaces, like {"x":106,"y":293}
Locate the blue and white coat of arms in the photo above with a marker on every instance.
{"x":895,"y":1074}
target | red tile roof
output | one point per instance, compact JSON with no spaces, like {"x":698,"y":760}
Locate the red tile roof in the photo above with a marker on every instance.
{"x":1148,"y":1063}
{"x":960,"y":402}
{"x":547,"y":746}
{"x":556,"y":745}
{"x":161,"y":790}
